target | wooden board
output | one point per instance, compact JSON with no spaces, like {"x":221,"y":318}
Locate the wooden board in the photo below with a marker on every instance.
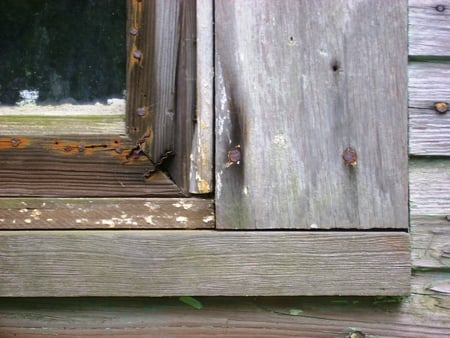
{"x":106,"y":213}
{"x":295,"y":88}
{"x":77,"y":166}
{"x":429,"y":83}
{"x":424,"y":313}
{"x":429,"y":27}
{"x":202,"y":163}
{"x":201,"y":262}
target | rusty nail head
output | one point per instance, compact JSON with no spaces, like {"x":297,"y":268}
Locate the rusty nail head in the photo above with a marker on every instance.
{"x":15,"y":142}
{"x":137,"y":54}
{"x":133,"y":31}
{"x":441,"y":107}
{"x":349,"y":156}
{"x":440,"y":8}
{"x":234,"y":156}
{"x":67,"y":148}
{"x":140,"y":111}
{"x":81,"y":148}
{"x":118,"y":150}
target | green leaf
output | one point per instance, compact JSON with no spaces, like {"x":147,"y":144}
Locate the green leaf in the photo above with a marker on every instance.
{"x":192,"y":302}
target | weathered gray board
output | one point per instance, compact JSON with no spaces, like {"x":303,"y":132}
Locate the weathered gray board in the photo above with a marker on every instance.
{"x":297,"y":82}
{"x":201,"y":262}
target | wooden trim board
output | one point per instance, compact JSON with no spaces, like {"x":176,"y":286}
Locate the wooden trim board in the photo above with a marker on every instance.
{"x":202,"y":262}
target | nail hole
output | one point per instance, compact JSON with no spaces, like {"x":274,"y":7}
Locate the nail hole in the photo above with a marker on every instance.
{"x":335,"y":66}
{"x":440,"y":8}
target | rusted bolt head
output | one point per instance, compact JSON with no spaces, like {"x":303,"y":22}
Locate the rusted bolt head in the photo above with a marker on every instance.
{"x":81,"y":148}
{"x":349,"y":156}
{"x":133,"y":31}
{"x":440,"y":8}
{"x":140,"y":111}
{"x":441,"y":107}
{"x":234,"y":156}
{"x":137,"y":54}
{"x":68,"y":148}
{"x":15,"y":142}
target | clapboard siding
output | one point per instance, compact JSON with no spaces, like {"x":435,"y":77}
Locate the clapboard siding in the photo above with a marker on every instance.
{"x":429,"y":83}
{"x":429,"y":27}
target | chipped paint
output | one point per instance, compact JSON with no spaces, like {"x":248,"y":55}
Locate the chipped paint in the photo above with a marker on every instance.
{"x":182,"y":204}
{"x":208,"y":219}
{"x":149,"y":220}
{"x":27,"y":220}
{"x":181,"y":219}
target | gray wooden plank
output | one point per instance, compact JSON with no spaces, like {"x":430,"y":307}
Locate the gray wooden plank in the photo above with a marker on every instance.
{"x":106,"y":213}
{"x":201,"y":262}
{"x":430,"y":241}
{"x":429,"y":27}
{"x":429,"y":83}
{"x":202,"y":162}
{"x":429,"y":182}
{"x":423,"y":313}
{"x":297,"y":82}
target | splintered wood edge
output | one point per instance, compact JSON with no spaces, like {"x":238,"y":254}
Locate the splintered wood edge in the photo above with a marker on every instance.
{"x":203,"y":262}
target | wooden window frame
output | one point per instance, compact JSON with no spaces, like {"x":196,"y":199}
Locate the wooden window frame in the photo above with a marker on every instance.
{"x":160,"y":262}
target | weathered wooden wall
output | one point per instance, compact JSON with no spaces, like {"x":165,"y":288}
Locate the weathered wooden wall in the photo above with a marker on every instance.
{"x":425,"y":313}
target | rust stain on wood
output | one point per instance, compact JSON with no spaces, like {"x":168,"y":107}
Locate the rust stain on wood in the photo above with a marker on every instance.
{"x":14,"y":142}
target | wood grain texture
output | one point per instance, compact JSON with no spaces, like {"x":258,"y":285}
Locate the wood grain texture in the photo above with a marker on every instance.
{"x":429,"y":82}
{"x":151,"y":77}
{"x":179,"y":166}
{"x":106,"y":213}
{"x":57,"y":125}
{"x":202,"y":162}
{"x":429,"y":27}
{"x":424,"y":313}
{"x":294,"y":88}
{"x":77,"y":167}
{"x":429,"y":182}
{"x":430,"y":241}
{"x":201,"y":262}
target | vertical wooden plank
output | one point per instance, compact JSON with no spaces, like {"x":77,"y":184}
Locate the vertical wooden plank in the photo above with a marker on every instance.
{"x":297,"y":83}
{"x":201,"y":173}
{"x":153,"y":28}
{"x":185,"y":96}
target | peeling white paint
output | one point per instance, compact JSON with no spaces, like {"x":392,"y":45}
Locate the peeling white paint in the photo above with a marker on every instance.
{"x":49,"y":219}
{"x":24,"y":210}
{"x":182,"y":204}
{"x":152,"y":206}
{"x":181,"y":219}
{"x":149,"y":220}
{"x":208,"y":219}
{"x":314,"y":226}
{"x":27,"y":220}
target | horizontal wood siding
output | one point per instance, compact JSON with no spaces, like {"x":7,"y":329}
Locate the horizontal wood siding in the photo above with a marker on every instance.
{"x":429,"y":27}
{"x":177,"y":263}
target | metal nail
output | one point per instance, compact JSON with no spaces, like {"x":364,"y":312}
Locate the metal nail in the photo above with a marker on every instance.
{"x":441,"y":107}
{"x":15,"y":142}
{"x":349,"y":156}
